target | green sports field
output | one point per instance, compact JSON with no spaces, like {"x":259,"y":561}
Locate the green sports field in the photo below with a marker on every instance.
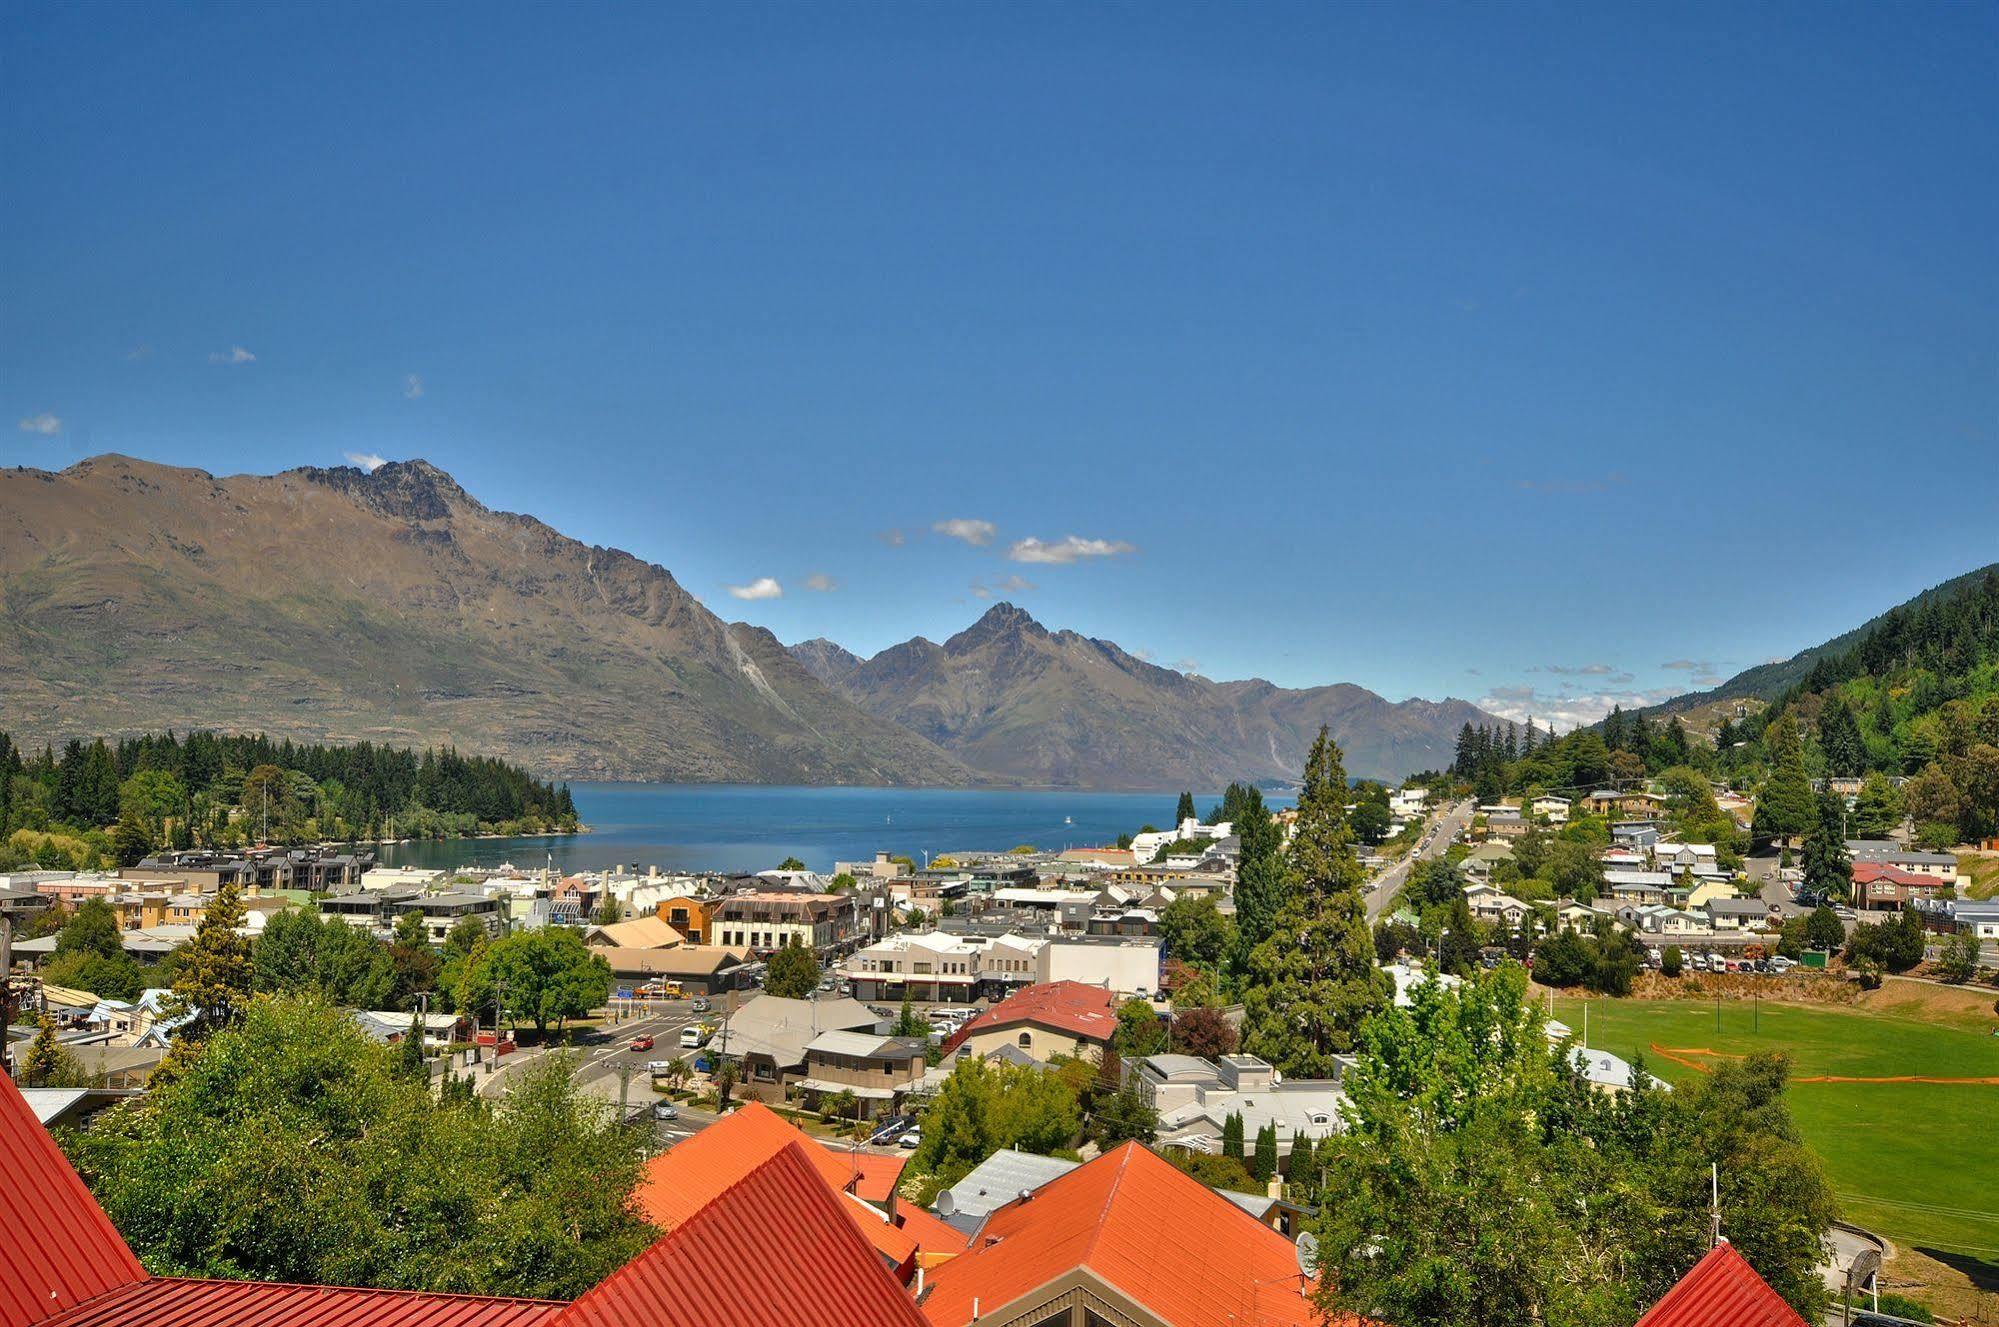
{"x":1918,"y":1162}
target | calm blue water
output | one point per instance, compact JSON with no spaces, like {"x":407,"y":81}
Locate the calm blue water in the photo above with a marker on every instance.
{"x":733,"y":827}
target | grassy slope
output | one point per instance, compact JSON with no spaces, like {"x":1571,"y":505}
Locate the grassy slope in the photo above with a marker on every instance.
{"x":1917,"y":1162}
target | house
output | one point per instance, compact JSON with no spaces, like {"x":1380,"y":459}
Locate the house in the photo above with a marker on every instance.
{"x":1196,"y":1097}
{"x":1940,"y":865}
{"x":1640,"y":887}
{"x":700,"y":969}
{"x":1577,"y":917}
{"x":1606,"y":1072}
{"x":880,"y":1071}
{"x":1738,"y":914}
{"x":1660,"y":920}
{"x":1491,"y":904}
{"x":1553,"y":809}
{"x":1408,"y":803}
{"x":1969,"y":916}
{"x":1609,"y":802}
{"x":693,"y":916}
{"x":1506,"y":824}
{"x":442,"y":912}
{"x":1057,"y":1018}
{"x":1878,"y":886}
{"x":1635,"y":833}
{"x":995,"y":1182}
{"x":638,"y":933}
{"x":1126,"y":1238}
{"x":1407,"y":977}
{"x":769,"y":1034}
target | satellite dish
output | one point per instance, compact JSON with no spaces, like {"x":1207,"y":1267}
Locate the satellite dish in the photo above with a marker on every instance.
{"x":945,"y":1205}
{"x":1308,"y":1253}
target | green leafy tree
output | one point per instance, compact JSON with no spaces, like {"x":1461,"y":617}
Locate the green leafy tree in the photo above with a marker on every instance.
{"x":1314,"y":979}
{"x":1824,"y":930}
{"x":91,"y":929}
{"x":791,"y":864}
{"x":339,"y":1168}
{"x":909,"y":1023}
{"x":1140,"y":1032}
{"x":793,"y":973}
{"x":1124,"y":1116}
{"x":1839,"y":738}
{"x":547,"y":974}
{"x":1957,"y":963}
{"x":1195,"y":931}
{"x":984,"y":1108}
{"x":1671,"y":962}
{"x":48,"y":1062}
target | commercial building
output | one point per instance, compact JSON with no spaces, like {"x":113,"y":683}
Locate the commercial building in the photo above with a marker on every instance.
{"x":1883,"y":852}
{"x":766,"y":921}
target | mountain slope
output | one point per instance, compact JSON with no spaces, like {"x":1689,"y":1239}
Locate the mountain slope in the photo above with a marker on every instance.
{"x":333,"y":604}
{"x":1769,"y":681}
{"x":1011,"y":698}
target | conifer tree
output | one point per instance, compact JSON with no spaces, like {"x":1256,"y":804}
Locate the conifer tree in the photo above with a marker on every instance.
{"x":1185,"y":811}
{"x":1232,"y":1140}
{"x":1786,"y":807}
{"x":213,"y":979}
{"x":1264,"y":1164}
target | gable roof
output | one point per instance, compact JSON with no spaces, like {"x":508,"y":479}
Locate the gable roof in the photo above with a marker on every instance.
{"x":1721,"y":1290}
{"x":649,"y":932}
{"x":61,"y":1248}
{"x":1207,"y":1264}
{"x":1088,"y":1012}
{"x":771,"y":1250}
{"x":190,"y":1302}
{"x":684,"y":1179}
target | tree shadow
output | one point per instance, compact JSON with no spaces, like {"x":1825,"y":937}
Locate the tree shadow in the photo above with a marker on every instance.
{"x":1982,"y":1274}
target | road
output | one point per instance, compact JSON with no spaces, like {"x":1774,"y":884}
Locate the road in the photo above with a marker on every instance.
{"x":609,"y":1050}
{"x":1450,"y":824}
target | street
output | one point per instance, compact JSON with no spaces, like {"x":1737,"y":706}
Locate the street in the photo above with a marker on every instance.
{"x":1449,"y":824}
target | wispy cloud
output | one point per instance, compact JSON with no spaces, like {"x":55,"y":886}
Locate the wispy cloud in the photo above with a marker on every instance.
{"x":1576,"y":670}
{"x":1690,"y":665}
{"x":1565,"y":707}
{"x":412,"y":386}
{"x":366,"y":460}
{"x":1571,"y":485}
{"x":233,"y":355}
{"x":1709,"y":681}
{"x":1070,"y":548}
{"x":139,"y":352}
{"x":820,"y":582}
{"x":977,"y":533}
{"x":893,"y":538}
{"x":1187,"y":665}
{"x":993,"y":585}
{"x":763,"y":587}
{"x":47,"y":424}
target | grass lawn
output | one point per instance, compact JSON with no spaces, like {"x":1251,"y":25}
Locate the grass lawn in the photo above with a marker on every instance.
{"x":1978,"y":874}
{"x":1918,"y":1162}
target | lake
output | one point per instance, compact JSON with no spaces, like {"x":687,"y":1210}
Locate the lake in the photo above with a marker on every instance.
{"x":739,"y":827}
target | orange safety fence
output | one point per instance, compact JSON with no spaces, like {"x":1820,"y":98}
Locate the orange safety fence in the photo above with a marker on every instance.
{"x":1690,"y":1057}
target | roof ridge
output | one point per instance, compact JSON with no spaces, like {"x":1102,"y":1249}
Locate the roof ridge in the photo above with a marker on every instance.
{"x":359,"y":1290}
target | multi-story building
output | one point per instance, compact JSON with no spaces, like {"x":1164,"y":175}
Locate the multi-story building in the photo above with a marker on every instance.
{"x":1878,"y":886}
{"x":1883,"y":852}
{"x":766,"y":921}
{"x":880,"y":1071}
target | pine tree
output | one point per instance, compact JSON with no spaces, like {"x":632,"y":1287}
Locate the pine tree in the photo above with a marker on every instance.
{"x":1828,"y":866}
{"x":1786,"y":807}
{"x":213,"y":979}
{"x":1839,"y":737}
{"x":1314,"y":979}
{"x":1262,"y":881}
{"x":1232,"y":1140}
{"x":1185,"y":811}
{"x":1264,"y":1164}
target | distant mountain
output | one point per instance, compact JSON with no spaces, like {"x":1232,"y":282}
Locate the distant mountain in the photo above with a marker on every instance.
{"x":332,"y":604}
{"x":1769,"y":681}
{"x":1015,"y":700}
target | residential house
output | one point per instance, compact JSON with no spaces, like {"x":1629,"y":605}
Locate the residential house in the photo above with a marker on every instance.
{"x":1493,"y":905}
{"x":1057,"y":1018}
{"x":880,"y":1071}
{"x":1637,"y":887}
{"x":1633,"y":804}
{"x":1196,"y":1097}
{"x":768,"y":1036}
{"x":1879,"y":886}
{"x":442,"y":912}
{"x":1940,"y":865}
{"x":1506,"y":824}
{"x":1553,"y":809}
{"x":1738,"y":914}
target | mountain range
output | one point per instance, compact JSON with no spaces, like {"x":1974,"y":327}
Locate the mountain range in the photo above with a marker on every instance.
{"x":337,"y":604}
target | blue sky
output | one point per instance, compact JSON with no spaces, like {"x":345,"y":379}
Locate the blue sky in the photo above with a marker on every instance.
{"x":1511,"y":352}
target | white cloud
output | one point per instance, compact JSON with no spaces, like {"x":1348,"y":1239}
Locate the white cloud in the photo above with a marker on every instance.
{"x":412,"y":386}
{"x":1577,"y":670}
{"x":139,"y":352}
{"x":1565,"y":708}
{"x":1070,"y":548}
{"x":763,"y":587}
{"x":1014,"y":584}
{"x":1187,"y":665}
{"x":366,"y":460}
{"x":46,"y":424}
{"x":233,"y":355}
{"x":974,"y":532}
{"x":822,"y":583}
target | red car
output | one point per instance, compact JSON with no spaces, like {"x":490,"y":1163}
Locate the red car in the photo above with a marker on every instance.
{"x":641,"y":1043}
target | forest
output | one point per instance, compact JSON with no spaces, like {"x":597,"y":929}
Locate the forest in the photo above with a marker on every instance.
{"x":99,"y":803}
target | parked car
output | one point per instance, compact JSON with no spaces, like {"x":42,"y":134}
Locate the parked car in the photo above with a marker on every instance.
{"x":666,"y":1110}
{"x":695,"y":1035}
{"x":912,"y":1139}
{"x":642,"y":1043}
{"x":701,"y":1006}
{"x":660,"y":1068}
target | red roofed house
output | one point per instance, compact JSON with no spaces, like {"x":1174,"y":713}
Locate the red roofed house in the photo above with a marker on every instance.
{"x":771,"y":1248}
{"x":1722,"y":1290}
{"x":1877,"y":886}
{"x":1126,"y":1238}
{"x":1054,"y":1018}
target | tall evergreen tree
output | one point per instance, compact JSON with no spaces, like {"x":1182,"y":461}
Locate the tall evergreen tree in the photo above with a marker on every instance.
{"x":1313,"y":980}
{"x":214,"y":975}
{"x":1839,"y":737}
{"x":1185,"y":811}
{"x":1828,"y":866}
{"x":1786,"y":807}
{"x":1262,"y":881}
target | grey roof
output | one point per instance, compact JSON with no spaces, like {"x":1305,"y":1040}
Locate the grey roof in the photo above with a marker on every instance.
{"x":1739,"y":907}
{"x":49,"y":1103}
{"x":782,"y":1029}
{"x":1885,"y":850}
{"x":994,"y":1183}
{"x":1257,"y":1205}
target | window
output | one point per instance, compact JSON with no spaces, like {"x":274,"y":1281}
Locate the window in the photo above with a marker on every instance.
{"x":1026,"y":1040}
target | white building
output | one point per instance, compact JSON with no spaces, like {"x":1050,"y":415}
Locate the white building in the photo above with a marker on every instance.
{"x":1408,"y":803}
{"x":402,"y":877}
{"x":1124,"y":966}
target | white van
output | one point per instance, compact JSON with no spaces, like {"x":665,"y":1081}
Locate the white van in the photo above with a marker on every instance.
{"x":694,"y":1036}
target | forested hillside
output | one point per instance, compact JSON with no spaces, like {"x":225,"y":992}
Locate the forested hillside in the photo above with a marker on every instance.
{"x":99,"y":803}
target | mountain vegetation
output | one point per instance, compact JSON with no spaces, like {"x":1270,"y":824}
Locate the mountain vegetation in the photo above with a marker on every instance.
{"x":102,"y":803}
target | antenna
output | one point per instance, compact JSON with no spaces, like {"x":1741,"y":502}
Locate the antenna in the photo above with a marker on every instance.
{"x":1714,"y":1202}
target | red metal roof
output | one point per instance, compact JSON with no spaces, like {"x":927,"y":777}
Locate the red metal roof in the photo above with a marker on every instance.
{"x":1867,"y":873}
{"x":1066,"y":1006}
{"x":774,"y":1249}
{"x":685,"y":1178}
{"x":179,"y":1302}
{"x":1164,"y":1240}
{"x":1722,"y":1290}
{"x":59,"y":1247}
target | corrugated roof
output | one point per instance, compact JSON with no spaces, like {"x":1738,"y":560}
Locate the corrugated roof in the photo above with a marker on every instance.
{"x":1161,"y":1238}
{"x":60,"y":1247}
{"x":179,"y":1302}
{"x":772,"y":1250}
{"x":685,"y":1178}
{"x":1722,"y":1290}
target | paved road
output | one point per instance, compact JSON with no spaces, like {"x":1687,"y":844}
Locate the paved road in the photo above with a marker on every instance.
{"x":609,"y":1049}
{"x":1450,"y":824}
